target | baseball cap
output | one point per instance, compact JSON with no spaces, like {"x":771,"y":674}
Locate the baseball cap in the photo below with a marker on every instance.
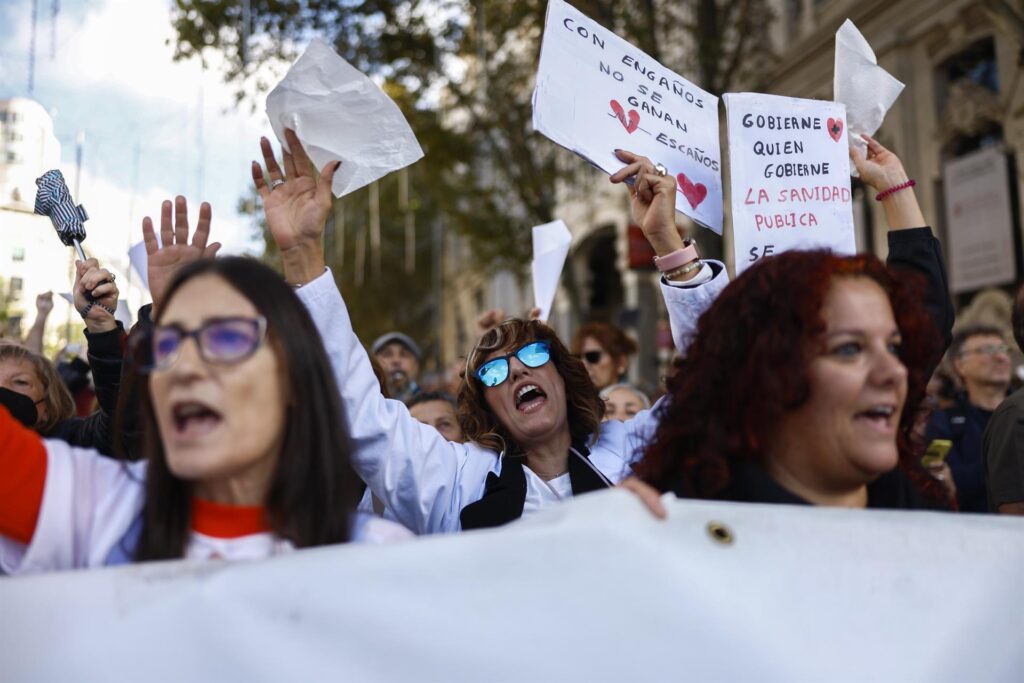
{"x":403,"y":339}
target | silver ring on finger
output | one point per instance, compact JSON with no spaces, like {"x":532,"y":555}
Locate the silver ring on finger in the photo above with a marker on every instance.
{"x":112,"y":277}
{"x":661,"y":170}
{"x":274,"y":184}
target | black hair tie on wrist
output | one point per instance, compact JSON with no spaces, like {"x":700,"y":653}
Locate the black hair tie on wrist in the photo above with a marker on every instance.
{"x":88,"y":307}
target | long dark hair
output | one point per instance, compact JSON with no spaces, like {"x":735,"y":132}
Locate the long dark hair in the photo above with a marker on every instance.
{"x":313,"y":490}
{"x":747,"y":368}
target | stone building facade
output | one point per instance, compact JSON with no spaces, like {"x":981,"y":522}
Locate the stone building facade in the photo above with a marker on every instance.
{"x":960,"y":116}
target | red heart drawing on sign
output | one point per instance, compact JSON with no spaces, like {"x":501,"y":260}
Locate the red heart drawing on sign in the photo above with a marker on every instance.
{"x":694,"y":192}
{"x":634,"y":117}
{"x":835,"y":128}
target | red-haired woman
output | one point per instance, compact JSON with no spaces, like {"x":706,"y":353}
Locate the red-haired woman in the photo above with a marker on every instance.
{"x":810,"y":396}
{"x":803,"y":379}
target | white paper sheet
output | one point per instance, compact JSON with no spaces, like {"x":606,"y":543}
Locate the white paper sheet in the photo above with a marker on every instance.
{"x":866,"y":89}
{"x":338,"y":113}
{"x":789,"y":169}
{"x":140,"y":261}
{"x":550,"y":247}
{"x":597,"y":93}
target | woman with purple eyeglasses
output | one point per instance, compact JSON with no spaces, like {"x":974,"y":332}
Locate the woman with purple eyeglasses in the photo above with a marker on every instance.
{"x":527,"y":406}
{"x":244,"y":454}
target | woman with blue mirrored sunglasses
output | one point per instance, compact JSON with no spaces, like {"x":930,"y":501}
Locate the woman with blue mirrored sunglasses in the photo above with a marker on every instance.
{"x":495,"y":371}
{"x":530,"y":411}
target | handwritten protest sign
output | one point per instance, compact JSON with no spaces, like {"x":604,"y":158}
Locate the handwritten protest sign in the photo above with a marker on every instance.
{"x":790,"y":170}
{"x":596,"y":93}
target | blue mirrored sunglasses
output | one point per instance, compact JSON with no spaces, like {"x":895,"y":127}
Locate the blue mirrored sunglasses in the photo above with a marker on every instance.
{"x":495,"y":371}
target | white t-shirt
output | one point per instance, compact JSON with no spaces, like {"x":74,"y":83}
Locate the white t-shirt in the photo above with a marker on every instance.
{"x":540,"y":493}
{"x":91,"y":504}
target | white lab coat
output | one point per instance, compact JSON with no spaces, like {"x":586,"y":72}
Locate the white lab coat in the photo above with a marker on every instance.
{"x":421,"y":477}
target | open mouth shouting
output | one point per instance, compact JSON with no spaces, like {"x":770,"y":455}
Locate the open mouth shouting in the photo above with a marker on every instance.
{"x":194,"y":419}
{"x":529,"y":397}
{"x":881,"y":417}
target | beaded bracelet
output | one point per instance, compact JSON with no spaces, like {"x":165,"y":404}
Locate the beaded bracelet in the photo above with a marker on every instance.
{"x":894,"y":189}
{"x":88,"y":307}
{"x":683,"y":270}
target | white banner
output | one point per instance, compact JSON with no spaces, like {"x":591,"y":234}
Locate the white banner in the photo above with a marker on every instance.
{"x":979,"y":220}
{"x":597,"y":93}
{"x":592,"y":590}
{"x":790,"y":176}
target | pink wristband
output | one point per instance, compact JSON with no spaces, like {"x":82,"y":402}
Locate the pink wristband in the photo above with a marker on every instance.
{"x":677,"y":258}
{"x":894,"y":189}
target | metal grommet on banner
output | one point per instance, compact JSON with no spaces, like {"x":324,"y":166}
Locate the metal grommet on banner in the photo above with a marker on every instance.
{"x":720,"y":533}
{"x":661,"y":170}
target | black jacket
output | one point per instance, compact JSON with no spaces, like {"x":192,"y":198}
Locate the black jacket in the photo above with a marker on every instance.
{"x":751,"y":483}
{"x":917,"y":250}
{"x":106,"y":354}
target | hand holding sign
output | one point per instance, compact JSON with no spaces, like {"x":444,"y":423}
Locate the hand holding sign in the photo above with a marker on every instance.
{"x":654,"y":200}
{"x":595,"y":91}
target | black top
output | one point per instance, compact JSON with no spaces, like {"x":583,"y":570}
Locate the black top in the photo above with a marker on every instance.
{"x":1002,"y":449}
{"x":963,"y":424}
{"x":505,"y":494}
{"x":106,"y":353}
{"x":751,"y":483}
{"x":916,"y":250}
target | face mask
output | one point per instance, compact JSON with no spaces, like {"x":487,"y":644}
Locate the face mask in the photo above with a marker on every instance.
{"x":20,"y":406}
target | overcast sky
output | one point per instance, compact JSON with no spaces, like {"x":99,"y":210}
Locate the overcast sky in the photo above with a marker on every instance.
{"x":110,"y":75}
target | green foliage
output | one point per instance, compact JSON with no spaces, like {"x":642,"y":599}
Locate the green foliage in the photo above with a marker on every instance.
{"x":462,"y":72}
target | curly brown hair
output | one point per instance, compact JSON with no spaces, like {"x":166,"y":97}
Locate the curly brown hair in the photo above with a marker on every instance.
{"x":744,"y":370}
{"x":584,"y":406}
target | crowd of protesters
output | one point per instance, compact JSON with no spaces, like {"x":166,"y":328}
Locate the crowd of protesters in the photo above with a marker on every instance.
{"x":242,"y":416}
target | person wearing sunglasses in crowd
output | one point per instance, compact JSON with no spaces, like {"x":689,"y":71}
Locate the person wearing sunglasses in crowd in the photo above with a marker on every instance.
{"x":245,"y":455}
{"x":527,"y":406}
{"x":32,"y":390}
{"x":605,"y":351}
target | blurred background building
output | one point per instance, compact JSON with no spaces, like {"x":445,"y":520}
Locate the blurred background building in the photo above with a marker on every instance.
{"x":429,"y":249}
{"x":32,"y":258}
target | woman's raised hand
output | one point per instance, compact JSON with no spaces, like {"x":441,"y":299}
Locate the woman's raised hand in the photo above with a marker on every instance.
{"x":296,"y":204}
{"x":882,"y":170}
{"x":96,"y":294}
{"x":654,"y":201}
{"x":173,"y":251}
